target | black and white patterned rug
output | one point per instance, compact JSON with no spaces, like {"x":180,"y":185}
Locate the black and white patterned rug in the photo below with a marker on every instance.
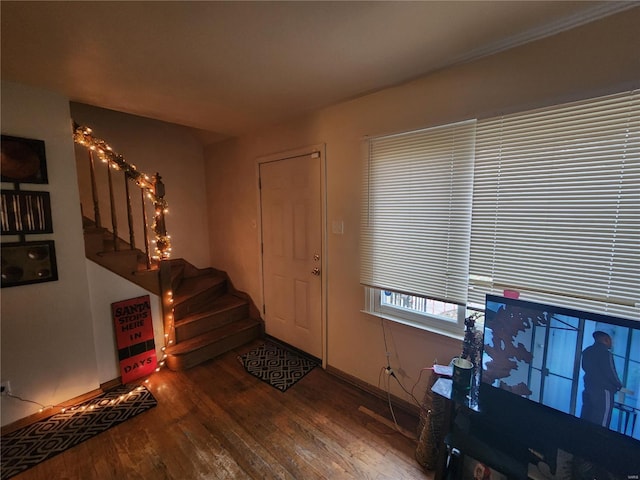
{"x":278,"y":366}
{"x":30,"y":445}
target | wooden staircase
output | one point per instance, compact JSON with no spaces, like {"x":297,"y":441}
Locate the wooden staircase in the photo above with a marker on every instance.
{"x":209,"y":317}
{"x":124,"y":261}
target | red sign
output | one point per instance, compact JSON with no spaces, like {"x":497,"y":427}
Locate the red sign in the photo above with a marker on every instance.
{"x":134,"y":336}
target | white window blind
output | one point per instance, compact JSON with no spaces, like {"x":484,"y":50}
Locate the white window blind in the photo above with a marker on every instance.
{"x":556,"y":206}
{"x":416,"y":215}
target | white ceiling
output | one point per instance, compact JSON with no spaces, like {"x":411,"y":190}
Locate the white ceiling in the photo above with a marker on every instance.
{"x":230,"y":67}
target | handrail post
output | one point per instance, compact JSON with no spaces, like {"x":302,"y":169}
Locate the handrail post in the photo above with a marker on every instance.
{"x":145,"y":230}
{"x":163,"y":244}
{"x":94,"y":191}
{"x":114,"y":218}
{"x":132,"y":238}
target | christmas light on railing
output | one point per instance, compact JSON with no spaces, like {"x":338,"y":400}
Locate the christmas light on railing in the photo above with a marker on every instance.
{"x":154,"y":189}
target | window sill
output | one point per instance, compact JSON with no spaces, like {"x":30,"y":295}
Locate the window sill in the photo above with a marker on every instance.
{"x":420,"y":326}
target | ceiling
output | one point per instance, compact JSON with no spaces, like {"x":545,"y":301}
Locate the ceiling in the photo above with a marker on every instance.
{"x":231,"y":67}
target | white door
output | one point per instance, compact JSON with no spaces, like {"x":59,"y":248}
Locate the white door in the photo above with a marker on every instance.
{"x":290,"y":196}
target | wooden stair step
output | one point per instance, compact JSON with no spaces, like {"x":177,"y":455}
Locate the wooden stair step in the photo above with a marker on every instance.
{"x":191,"y":287}
{"x":176,"y":273}
{"x":196,"y":294}
{"x":202,"y":340}
{"x":186,"y":269}
{"x":199,"y":349}
{"x":123,"y":252}
{"x":223,"y":310}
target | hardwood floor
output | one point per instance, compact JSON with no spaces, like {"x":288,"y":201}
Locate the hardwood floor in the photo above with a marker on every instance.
{"x":217,"y":421}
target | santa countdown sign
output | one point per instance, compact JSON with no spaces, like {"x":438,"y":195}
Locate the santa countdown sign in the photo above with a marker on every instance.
{"x":134,"y":336}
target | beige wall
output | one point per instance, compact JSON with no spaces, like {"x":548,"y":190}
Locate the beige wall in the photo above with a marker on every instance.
{"x":47,"y":333}
{"x":598,"y":58}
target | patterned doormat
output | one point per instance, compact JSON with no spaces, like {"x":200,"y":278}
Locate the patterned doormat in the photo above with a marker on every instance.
{"x":46,"y":438}
{"x":279,"y":367}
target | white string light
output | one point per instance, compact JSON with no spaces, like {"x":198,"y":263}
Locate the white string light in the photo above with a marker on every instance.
{"x":84,"y":136}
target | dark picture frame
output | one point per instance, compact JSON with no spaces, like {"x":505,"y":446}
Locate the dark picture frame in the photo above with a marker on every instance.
{"x":23,"y":160}
{"x":24,"y":263}
{"x":25,"y":212}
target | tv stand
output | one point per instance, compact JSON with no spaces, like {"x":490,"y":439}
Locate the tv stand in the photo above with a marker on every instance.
{"x":522,"y":440}
{"x":467,"y":441}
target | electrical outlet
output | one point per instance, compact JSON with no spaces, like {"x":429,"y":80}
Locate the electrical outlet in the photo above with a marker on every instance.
{"x":5,"y":387}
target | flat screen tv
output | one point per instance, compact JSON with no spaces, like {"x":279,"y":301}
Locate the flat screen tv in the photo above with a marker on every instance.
{"x":533,"y":378}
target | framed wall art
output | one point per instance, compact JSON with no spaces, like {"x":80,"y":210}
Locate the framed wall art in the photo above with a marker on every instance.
{"x":23,"y":160}
{"x":24,"y":212}
{"x":28,"y":262}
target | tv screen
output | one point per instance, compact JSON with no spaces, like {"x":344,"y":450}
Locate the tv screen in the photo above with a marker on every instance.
{"x":583,"y":364}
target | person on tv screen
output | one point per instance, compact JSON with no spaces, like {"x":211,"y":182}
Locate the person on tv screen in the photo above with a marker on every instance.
{"x":601,"y":380}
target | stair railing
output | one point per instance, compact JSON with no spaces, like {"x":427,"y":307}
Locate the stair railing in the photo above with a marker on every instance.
{"x":151,"y":188}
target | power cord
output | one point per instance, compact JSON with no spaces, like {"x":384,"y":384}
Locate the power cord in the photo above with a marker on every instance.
{"x":388,"y":371}
{"x":393,"y":415}
{"x":42,"y":407}
{"x":386,"y":348}
{"x":404,"y":389}
{"x":418,"y":381}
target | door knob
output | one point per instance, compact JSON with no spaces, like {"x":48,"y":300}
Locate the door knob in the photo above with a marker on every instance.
{"x":315,"y":271}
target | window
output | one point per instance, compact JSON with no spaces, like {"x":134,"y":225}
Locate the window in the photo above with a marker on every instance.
{"x":556,"y":206}
{"x":416,"y":220}
{"x":442,"y":317}
{"x":544,"y":202}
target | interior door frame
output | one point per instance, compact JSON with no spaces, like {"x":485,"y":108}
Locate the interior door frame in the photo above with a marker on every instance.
{"x":288,"y":154}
